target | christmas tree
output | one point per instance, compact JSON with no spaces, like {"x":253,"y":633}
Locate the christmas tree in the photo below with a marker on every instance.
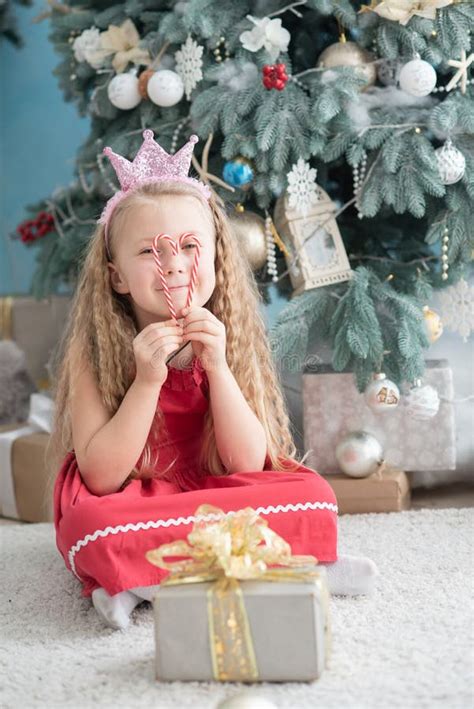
{"x":339,"y":134}
{"x":8,"y":21}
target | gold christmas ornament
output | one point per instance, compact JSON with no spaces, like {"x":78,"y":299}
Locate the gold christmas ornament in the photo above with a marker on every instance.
{"x":249,"y":229}
{"x":433,"y":324}
{"x":315,"y":253}
{"x":349,"y":54}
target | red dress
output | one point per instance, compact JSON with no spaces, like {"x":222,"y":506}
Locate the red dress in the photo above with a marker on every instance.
{"x":103,"y":539}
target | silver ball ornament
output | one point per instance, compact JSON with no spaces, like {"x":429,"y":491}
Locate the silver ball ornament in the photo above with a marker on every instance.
{"x":359,"y":454}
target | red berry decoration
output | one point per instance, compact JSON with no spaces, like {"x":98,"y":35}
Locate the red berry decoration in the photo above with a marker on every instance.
{"x":274,"y":76}
{"x":32,"y":229}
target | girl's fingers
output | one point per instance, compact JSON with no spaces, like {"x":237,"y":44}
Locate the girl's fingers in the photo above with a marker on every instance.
{"x":161,"y":332}
{"x":202,"y":326}
{"x":203,"y":337}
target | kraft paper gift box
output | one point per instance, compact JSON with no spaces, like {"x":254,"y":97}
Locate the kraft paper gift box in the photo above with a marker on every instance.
{"x":388,"y":493}
{"x":332,"y":407}
{"x":287,"y":621}
{"x":25,"y":487}
{"x":36,"y":326}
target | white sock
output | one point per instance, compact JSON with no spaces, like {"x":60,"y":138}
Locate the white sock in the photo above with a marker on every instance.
{"x":115,"y":610}
{"x":351,"y":575}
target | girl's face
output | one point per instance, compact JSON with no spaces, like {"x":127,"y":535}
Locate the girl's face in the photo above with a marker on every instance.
{"x":134,"y":270}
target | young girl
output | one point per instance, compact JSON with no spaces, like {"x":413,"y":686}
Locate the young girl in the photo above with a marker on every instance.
{"x":142,"y":443}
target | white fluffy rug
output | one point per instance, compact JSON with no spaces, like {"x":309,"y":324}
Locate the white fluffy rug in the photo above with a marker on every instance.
{"x":409,"y":645}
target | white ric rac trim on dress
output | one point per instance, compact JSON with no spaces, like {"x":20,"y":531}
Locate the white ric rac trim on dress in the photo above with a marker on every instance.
{"x":155,"y":524}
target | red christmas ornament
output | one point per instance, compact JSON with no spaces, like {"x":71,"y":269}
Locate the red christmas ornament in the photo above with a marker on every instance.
{"x":274,"y":76}
{"x":33,"y":229}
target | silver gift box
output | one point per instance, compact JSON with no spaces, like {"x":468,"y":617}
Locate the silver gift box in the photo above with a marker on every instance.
{"x":288,"y":622}
{"x":332,"y":407}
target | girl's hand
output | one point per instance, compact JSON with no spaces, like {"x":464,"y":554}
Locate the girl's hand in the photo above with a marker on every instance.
{"x":207,"y":335}
{"x":151,"y":348}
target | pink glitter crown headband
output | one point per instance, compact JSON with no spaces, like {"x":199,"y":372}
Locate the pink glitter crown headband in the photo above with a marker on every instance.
{"x":151,"y":164}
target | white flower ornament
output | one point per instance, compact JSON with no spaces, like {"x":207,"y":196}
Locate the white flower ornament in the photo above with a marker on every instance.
{"x":267,"y":33}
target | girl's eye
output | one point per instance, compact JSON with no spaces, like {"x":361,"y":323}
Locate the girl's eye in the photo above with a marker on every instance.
{"x":144,"y":251}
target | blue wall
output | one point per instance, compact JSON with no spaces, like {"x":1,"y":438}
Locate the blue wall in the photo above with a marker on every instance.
{"x":39,"y":137}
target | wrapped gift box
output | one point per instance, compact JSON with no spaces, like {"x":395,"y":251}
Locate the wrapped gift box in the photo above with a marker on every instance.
{"x":332,"y":407}
{"x":388,"y":493}
{"x":36,"y":326}
{"x":288,"y":623}
{"x":25,"y":484}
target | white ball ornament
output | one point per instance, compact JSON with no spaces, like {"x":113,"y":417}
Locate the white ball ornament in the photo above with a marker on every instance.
{"x":359,"y":454}
{"x":422,"y":401}
{"x":165,"y":88}
{"x":249,"y":699}
{"x":451,"y":163}
{"x":382,"y":394}
{"x":123,"y":91}
{"x":417,"y":78}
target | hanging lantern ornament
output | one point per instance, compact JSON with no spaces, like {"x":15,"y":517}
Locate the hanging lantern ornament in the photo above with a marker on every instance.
{"x":433,"y":324}
{"x":451,"y":163}
{"x":349,"y":54}
{"x":249,"y":229}
{"x":417,"y":77}
{"x":422,"y":401}
{"x":304,"y":218}
{"x":382,"y":394}
{"x":165,"y":88}
{"x":238,"y":173}
{"x":359,"y":454}
{"x":123,"y":91}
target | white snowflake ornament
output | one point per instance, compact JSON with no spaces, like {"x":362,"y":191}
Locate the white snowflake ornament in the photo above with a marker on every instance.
{"x":189,"y":64}
{"x":457,"y":308}
{"x":302,"y":188}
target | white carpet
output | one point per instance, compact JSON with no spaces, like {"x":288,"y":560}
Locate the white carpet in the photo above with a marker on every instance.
{"x":409,"y":645}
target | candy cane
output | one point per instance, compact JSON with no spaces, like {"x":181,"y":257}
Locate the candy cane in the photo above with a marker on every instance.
{"x":194,"y":269}
{"x":156,"y":256}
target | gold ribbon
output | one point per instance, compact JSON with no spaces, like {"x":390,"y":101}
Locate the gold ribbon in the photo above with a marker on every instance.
{"x":6,"y":321}
{"x":226,"y":548}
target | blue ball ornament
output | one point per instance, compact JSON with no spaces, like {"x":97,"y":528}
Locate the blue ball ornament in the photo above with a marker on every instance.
{"x":237,"y":172}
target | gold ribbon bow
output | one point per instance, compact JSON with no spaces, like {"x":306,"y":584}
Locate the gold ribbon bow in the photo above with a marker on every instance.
{"x":123,"y":43}
{"x":226,"y":548}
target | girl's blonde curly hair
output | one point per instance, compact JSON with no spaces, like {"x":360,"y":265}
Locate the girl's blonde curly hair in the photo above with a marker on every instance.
{"x":101,"y":327}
